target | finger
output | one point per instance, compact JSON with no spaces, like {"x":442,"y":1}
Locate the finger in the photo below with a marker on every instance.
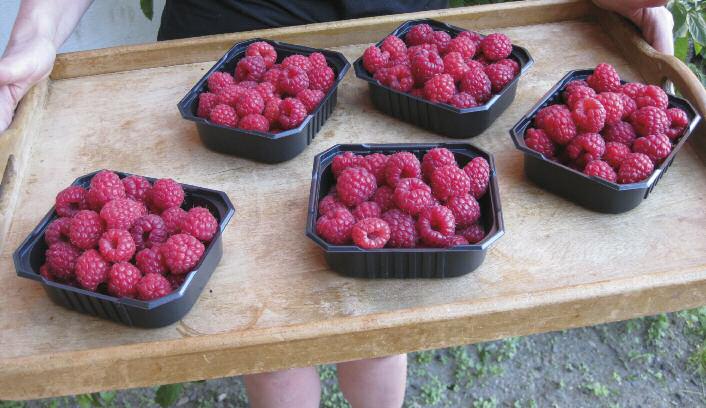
{"x":7,"y":108}
{"x":13,"y":70}
{"x":658,"y":24}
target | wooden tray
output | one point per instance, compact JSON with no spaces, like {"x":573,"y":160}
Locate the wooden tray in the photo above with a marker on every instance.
{"x":272,"y":303}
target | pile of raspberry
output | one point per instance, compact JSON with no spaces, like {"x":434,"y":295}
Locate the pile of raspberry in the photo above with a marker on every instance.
{"x":264,"y":96}
{"x":615,"y":131}
{"x":125,"y":237}
{"x":396,"y":201}
{"x":464,"y":71}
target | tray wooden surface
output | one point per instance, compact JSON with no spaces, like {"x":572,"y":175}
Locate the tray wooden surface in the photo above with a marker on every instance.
{"x":272,"y":303}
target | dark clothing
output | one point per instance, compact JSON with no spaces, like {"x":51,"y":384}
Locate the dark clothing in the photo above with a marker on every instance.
{"x":192,"y":18}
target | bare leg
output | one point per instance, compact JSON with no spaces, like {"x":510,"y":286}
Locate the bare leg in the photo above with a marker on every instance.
{"x":295,"y":388}
{"x":374,"y":383}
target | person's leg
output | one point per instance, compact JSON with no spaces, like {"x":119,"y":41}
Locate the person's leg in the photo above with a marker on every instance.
{"x":295,"y":388}
{"x":374,"y":383}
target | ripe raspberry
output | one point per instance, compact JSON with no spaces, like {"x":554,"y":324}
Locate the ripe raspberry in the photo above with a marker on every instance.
{"x":394,"y":46}
{"x":465,"y":209}
{"x":463,"y":45}
{"x":175,"y":280}
{"x":310,"y":98}
{"x":321,"y":78}
{"x":330,"y":202}
{"x":456,"y":240}
{"x":292,"y":113}
{"x":652,"y":95}
{"x":46,"y":273}
{"x":122,"y":213}
{"x":263,"y":50}
{"x":207,"y":101}
{"x":172,"y":217}
{"x":317,"y":60}
{"x":621,"y":132}
{"x":248,"y":84}
{"x":656,"y":147}
{"x":500,"y":75}
{"x":266,"y":90}
{"x":398,"y":77}
{"x":419,"y":34}
{"x":436,"y":158}
{"x":604,"y":79}
{"x":577,"y":93}
{"x":678,"y":122}
{"x":613,"y":104}
{"x":57,"y":231}
{"x":272,"y":76}
{"x":136,"y":188}
{"x":436,"y":225}
{"x":344,"y":161}
{"x":271,"y":111}
{"x":496,"y":46}
{"x":254,"y":121}
{"x":650,"y":121}
{"x":586,"y":147}
{"x":335,"y":226}
{"x":297,"y":60}
{"x":355,"y":185}
{"x":224,"y":115}
{"x":629,"y":106}
{"x":474,"y":233}
{"x":374,"y":59}
{"x":455,"y":65}
{"x":292,"y":80}
{"x":384,"y":198}
{"x":426,"y":65}
{"x":599,"y":168}
{"x":250,"y":69}
{"x":250,"y":101}
{"x":473,"y":64}
{"x":478,"y":170}
{"x":116,"y":245}
{"x":412,"y":195}
{"x":91,"y":269}
{"x":370,"y":233}
{"x":557,"y":122}
{"x":575,"y":84}
{"x":148,"y":231}
{"x":471,"y":35}
{"x":403,"y":233}
{"x":615,"y":153}
{"x":218,"y":80}
{"x":402,"y":165}
{"x":440,"y":88}
{"x":166,"y":193}
{"x":463,"y":100}
{"x":181,"y":253}
{"x":70,"y":200}
{"x":442,"y":39}
{"x":512,"y":64}
{"x":228,"y":95}
{"x":376,"y":163}
{"x":153,"y":286}
{"x":149,"y":260}
{"x":449,"y":181}
{"x":476,"y":83}
{"x":200,"y":223}
{"x":122,"y":279}
{"x":537,"y":140}
{"x":632,"y":89}
{"x":105,"y":186}
{"x":635,"y":168}
{"x":589,"y":115}
{"x":368,"y":209}
{"x":61,"y":259}
{"x":86,"y":229}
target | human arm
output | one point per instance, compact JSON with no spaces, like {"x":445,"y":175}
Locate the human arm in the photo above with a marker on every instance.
{"x":653,"y":19}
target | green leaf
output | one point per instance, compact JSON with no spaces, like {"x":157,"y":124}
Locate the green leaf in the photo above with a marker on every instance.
{"x":147,"y":8}
{"x":681,"y":48}
{"x":167,"y":395}
{"x":679,"y":14}
{"x":84,"y":400}
{"x":697,"y":48}
{"x":697,"y":27}
{"x":107,"y":397}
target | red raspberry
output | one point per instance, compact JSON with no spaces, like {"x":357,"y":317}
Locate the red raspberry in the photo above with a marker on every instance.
{"x":436,"y":158}
{"x":678,"y":122}
{"x":656,"y":147}
{"x":321,"y":78}
{"x":374,"y":59}
{"x":440,"y":88}
{"x":394,"y":46}
{"x":172,"y":217}
{"x":122,"y":213}
{"x":604,"y":79}
{"x":181,"y":253}
{"x":330,"y":202}
{"x":297,"y":60}
{"x":402,"y":165}
{"x":335,"y":226}
{"x":376,"y":163}
{"x":463,"y":45}
{"x":449,"y":181}
{"x":652,"y":95}
{"x":512,"y":64}
{"x":474,"y":233}
{"x":537,"y":140}
{"x":254,"y":121}
{"x":473,"y":64}
{"x":250,"y":69}
{"x":477,"y":84}
{"x":61,"y":259}
{"x":436,"y":225}
{"x":650,"y":121}
{"x":463,"y":100}
{"x":271,"y":111}
{"x":629,"y":106}
{"x":599,"y":168}
{"x":136,"y":188}
{"x":153,"y":286}
{"x":384,"y":198}
{"x":355,"y":185}
{"x":586,"y":147}
{"x":175,"y":280}
{"x":263,"y":50}
{"x":577,"y":93}
{"x":224,"y":115}
{"x":292,"y":80}
{"x":615,"y":153}
{"x":465,"y":209}
{"x":635,"y":168}
{"x":70,"y":200}
{"x":116,"y":245}
{"x":218,"y":80}
{"x":310,"y":98}
{"x":557,"y":122}
{"x":442,"y":39}
{"x":398,"y":77}
{"x":250,"y":101}
{"x":425,"y":65}
{"x":266,"y":90}
{"x":575,"y":84}
{"x":621,"y":132}
{"x":412,"y":195}
{"x":105,"y":186}
{"x":122,"y":279}
{"x":589,"y":115}
{"x":344,"y":161}
{"x":412,"y":51}
{"x":632,"y":89}
{"x":471,"y":35}
{"x":478,"y":170}
{"x":455,"y":65}
{"x":317,"y":60}
{"x":57,"y":231}
{"x":496,"y":46}
{"x":148,"y":231}
{"x":207,"y":101}
{"x":457,"y":240}
{"x":46,"y":273}
{"x":200,"y":223}
{"x":500,"y":75}
{"x":292,"y":113}
{"x":368,"y":209}
{"x":403,"y":60}
{"x":228,"y":96}
{"x":166,"y":193}
{"x":86,"y":229}
{"x":370,"y":233}
{"x":248,"y":84}
{"x":613,"y":104}
{"x":419,"y":34}
{"x":149,"y":260}
{"x":272,"y":76}
{"x":403,"y":233}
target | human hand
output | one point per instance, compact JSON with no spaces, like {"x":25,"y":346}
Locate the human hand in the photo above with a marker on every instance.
{"x":654,"y":20}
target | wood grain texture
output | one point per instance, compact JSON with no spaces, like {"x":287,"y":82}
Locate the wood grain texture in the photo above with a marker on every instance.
{"x":272,"y":303}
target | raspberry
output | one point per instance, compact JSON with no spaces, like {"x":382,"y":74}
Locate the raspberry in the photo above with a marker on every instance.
{"x":586,"y":147}
{"x":181,"y":253}
{"x":589,"y":115}
{"x":57,"y":231}
{"x":436,"y":225}
{"x":218,"y":80}
{"x":292,"y":113}
{"x":344,"y":161}
{"x":678,"y":122}
{"x":250,"y":69}
{"x":537,"y":140}
{"x":250,"y":101}
{"x":271,"y":111}
{"x":440,"y":88}
{"x":403,"y":233}
{"x":86,"y":229}
{"x":398,"y":77}
{"x":376,"y":163}
{"x":577,"y":93}
{"x":91,"y":269}
{"x":172,"y":218}
{"x":116,"y":245}
{"x":621,"y":132}
{"x":471,"y":35}
{"x":248,"y":84}
{"x":476,"y":83}
{"x":556,"y":121}
{"x":656,"y":147}
{"x":419,"y":34}
{"x":402,"y":165}
{"x":228,"y":96}
{"x":148,"y":231}
{"x":462,"y":45}
{"x":224,"y":115}
{"x":121,"y":213}
{"x":70,"y":200}
{"x":384,"y":198}
{"x":292,"y":80}
{"x":105,"y":186}
{"x":122,"y":279}
{"x":321,"y":78}
{"x":254,"y":121}
{"x":370,"y":233}
{"x":456,"y":240}
{"x":166,"y":193}
{"x":632,"y":89}
{"x":394,"y":46}
{"x":613,"y":104}
{"x":61,"y":259}
{"x":200,"y":223}
{"x":629,"y":106}
{"x":455,"y":65}
{"x":652,"y":95}
{"x":463,"y":100}
{"x":500,"y":75}
{"x":368,"y":209}
{"x":207,"y":101}
{"x":425,"y":65}
{"x":634,"y":168}
{"x":512,"y":64}
{"x":374,"y":59}
{"x":266,"y":90}
{"x":615,"y":153}
{"x":412,"y":195}
{"x":310,"y":98}
{"x":271,"y":76}
{"x":465,"y":209}
{"x":297,"y":60}
{"x":335,"y":226}
{"x":153,"y":286}
{"x":175,"y":280}
{"x":478,"y":170}
{"x":473,"y":64}
{"x":355,"y":185}
{"x":496,"y":46}
{"x":330,"y":202}
{"x":604,"y":79}
{"x":449,"y":181}
{"x":571,"y":86}
{"x":263,"y":50}
{"x":474,"y":233}
{"x":650,"y":121}
{"x":412,"y":51}
{"x":436,"y":158}
{"x":46,"y":273}
{"x":317,"y":60}
{"x":136,"y":188}
{"x":599,"y":168}
{"x":442,"y":39}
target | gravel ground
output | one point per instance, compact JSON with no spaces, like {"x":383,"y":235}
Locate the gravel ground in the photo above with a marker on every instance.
{"x":651,"y":362}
